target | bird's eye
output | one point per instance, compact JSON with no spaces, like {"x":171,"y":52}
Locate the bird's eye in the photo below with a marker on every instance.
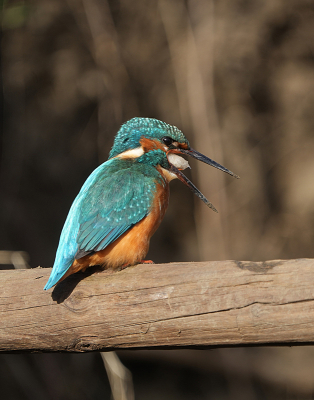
{"x":167,"y":140}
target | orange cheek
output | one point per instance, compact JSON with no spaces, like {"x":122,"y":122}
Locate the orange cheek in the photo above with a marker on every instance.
{"x":151,"y":144}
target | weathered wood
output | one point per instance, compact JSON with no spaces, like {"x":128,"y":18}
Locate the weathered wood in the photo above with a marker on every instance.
{"x":170,"y":305}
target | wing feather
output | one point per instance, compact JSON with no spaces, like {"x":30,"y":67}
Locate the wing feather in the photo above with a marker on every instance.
{"x":116,"y":196}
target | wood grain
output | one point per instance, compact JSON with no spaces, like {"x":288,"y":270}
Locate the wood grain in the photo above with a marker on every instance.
{"x":218,"y":303}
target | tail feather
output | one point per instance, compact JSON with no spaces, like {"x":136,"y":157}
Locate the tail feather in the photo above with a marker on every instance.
{"x":56,"y":275}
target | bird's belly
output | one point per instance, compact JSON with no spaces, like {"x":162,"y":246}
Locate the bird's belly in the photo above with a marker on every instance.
{"x":131,"y":247}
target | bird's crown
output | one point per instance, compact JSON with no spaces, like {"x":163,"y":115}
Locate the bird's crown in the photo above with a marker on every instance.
{"x":130,"y":134}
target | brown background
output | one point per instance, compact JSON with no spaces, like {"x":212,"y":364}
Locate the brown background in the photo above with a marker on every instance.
{"x":238,"y":78}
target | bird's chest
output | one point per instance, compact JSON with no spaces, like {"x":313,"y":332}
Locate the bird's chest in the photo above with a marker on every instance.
{"x":159,"y":205}
{"x":161,"y":200}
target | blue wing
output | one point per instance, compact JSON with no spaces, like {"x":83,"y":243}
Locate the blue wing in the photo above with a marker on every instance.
{"x":117,"y":195}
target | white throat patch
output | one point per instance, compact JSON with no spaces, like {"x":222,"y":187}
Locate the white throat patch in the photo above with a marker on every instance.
{"x":176,"y":161}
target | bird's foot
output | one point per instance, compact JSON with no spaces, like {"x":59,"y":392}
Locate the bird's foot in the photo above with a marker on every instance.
{"x":124,"y":266}
{"x":140,"y":262}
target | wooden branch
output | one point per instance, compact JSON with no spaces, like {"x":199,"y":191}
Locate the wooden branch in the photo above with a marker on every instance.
{"x":217,"y":303}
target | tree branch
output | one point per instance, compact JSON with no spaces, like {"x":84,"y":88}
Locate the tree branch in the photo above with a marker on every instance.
{"x":218,"y":303}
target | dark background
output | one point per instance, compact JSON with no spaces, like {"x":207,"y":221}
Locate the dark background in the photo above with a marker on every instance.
{"x":237,"y":77}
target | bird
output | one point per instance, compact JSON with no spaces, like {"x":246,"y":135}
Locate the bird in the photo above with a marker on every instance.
{"x":123,"y":201}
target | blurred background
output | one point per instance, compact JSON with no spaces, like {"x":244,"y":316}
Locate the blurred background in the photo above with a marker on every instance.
{"x":237,"y":77}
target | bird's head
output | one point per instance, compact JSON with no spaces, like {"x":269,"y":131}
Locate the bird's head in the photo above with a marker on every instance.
{"x":145,"y":136}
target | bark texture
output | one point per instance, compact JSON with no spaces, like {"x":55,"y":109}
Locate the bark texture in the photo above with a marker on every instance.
{"x":217,"y":303}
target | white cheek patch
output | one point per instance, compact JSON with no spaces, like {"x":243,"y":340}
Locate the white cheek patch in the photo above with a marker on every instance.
{"x":177,"y":161}
{"x":133,"y":153}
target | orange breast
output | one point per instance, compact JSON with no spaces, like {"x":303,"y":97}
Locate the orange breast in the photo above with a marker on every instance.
{"x":131,"y":247}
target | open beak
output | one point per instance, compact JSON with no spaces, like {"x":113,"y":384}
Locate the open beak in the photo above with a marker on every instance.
{"x":175,"y":169}
{"x":191,"y":185}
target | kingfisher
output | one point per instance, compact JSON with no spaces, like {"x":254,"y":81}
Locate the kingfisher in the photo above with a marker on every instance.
{"x":124,"y":200}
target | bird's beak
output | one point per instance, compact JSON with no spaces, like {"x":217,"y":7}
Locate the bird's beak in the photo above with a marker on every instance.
{"x":191,"y":185}
{"x":195,"y":154}
{"x":199,"y":156}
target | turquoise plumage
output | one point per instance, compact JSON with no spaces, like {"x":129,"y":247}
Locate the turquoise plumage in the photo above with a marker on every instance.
{"x":127,"y":191}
